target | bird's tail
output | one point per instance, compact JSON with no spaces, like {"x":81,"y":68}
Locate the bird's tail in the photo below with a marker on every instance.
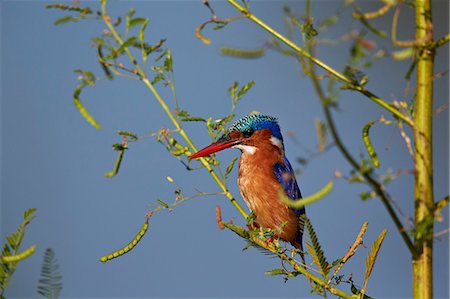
{"x":299,"y":246}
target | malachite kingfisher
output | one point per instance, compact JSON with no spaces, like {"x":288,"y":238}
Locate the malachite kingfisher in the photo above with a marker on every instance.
{"x":264,"y":170}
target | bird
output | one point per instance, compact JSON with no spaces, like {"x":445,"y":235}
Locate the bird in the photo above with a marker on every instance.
{"x":263,"y":171}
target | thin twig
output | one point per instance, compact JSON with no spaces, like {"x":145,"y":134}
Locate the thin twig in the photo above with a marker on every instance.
{"x":350,"y":84}
{"x":351,"y":251}
{"x":376,"y":186}
{"x":408,"y":43}
{"x":373,"y":14}
{"x":167,"y":110}
{"x":281,"y":254}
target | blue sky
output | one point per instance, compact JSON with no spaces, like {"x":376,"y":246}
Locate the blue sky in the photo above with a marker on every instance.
{"x":55,"y":161}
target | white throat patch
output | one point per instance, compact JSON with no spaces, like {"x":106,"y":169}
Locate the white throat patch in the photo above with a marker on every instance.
{"x":277,"y":142}
{"x":246,"y":149}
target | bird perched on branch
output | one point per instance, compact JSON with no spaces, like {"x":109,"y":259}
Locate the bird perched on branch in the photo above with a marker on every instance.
{"x":264,"y":170}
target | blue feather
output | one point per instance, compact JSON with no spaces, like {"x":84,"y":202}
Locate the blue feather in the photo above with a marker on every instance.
{"x":256,"y":122}
{"x":286,"y":177}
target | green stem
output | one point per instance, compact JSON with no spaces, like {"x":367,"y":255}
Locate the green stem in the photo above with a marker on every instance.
{"x":423,"y":183}
{"x":441,"y":203}
{"x":351,"y":84}
{"x":440,"y":42}
{"x":376,"y":186}
{"x":280,"y":253}
{"x":169,"y":113}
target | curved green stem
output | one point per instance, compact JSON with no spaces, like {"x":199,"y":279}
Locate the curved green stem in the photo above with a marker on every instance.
{"x":350,"y":83}
{"x":169,"y":113}
{"x":376,"y":186}
{"x":291,"y":261}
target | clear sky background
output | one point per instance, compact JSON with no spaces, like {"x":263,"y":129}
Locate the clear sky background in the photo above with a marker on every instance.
{"x":53,"y":160}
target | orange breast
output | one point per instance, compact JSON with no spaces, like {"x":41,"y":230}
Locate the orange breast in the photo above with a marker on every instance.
{"x":259,"y":188}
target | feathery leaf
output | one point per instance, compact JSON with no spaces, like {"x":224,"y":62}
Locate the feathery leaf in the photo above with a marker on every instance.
{"x":315,"y":249}
{"x":50,"y":284}
{"x":372,"y":256}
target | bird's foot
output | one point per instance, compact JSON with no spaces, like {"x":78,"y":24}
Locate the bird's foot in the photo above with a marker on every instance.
{"x":252,"y":226}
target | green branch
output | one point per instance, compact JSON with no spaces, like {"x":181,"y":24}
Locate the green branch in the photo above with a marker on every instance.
{"x":376,"y":186}
{"x":439,"y":43}
{"x":441,"y":203}
{"x":351,"y":84}
{"x":291,"y":261}
{"x":167,"y":110}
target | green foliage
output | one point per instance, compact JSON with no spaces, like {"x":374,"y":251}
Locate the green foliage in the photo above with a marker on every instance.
{"x":315,"y":249}
{"x":20,"y":256}
{"x":111,"y":46}
{"x":132,"y":135}
{"x":83,"y":13}
{"x":321,"y":131}
{"x":371,"y":258}
{"x":369,"y":147}
{"x":230,"y":167}
{"x":129,"y":246}
{"x":295,"y":203}
{"x":11,"y":255}
{"x":241,"y":53}
{"x":237,"y":93}
{"x":50,"y":284}
{"x":87,"y":78}
{"x":284,"y":272}
{"x":115,"y":170}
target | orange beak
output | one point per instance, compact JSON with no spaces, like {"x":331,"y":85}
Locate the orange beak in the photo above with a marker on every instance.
{"x":221,"y":144}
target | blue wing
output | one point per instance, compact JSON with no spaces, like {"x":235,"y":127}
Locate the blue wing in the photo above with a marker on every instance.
{"x":286,"y":177}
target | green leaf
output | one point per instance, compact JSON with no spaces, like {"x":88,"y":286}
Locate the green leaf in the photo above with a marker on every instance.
{"x":233,"y":88}
{"x":82,"y":10}
{"x":275,"y":272}
{"x":200,"y":36}
{"x":128,"y":19}
{"x":117,"y":164}
{"x":15,"y":258}
{"x":118,"y":146}
{"x":129,"y":134}
{"x":87,"y":77}
{"x":102,"y":61}
{"x":244,"y":89}
{"x":193,"y":119}
{"x":372,"y":256}
{"x":126,"y":44}
{"x":301,"y":202}
{"x":230,"y":167}
{"x":11,"y":250}
{"x":368,"y":144}
{"x":137,"y":21}
{"x":83,"y":111}
{"x":241,"y":53}
{"x":315,"y":249}
{"x":28,"y":215}
{"x":142,"y":40}
{"x":372,"y":28}
{"x":168,"y":63}
{"x":164,"y":204}
{"x":64,"y":20}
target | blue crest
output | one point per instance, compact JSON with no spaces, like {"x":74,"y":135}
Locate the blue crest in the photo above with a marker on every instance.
{"x":256,"y":122}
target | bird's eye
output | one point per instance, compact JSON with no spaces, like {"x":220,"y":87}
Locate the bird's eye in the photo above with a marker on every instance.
{"x":248,"y":133}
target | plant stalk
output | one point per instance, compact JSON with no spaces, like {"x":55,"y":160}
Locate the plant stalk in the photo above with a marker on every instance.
{"x":423,"y":183}
{"x":169,"y":113}
{"x":349,"y":82}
